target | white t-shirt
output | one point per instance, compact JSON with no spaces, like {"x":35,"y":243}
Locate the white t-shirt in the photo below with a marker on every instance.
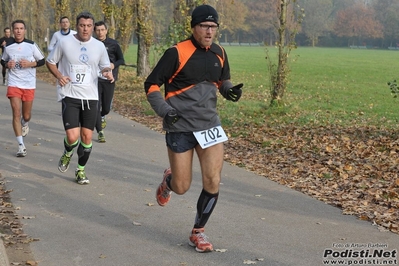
{"x":57,"y":36}
{"x":82,"y":62}
{"x":23,"y":78}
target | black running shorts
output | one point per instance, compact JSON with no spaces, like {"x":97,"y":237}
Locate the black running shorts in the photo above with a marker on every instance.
{"x":180,"y":141}
{"x":76,"y":112}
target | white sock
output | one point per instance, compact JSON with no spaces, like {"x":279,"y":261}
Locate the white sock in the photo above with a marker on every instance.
{"x":20,"y":140}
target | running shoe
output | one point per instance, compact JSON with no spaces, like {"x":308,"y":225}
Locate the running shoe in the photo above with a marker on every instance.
{"x":21,"y":150}
{"x":63,"y":164}
{"x":81,"y":177}
{"x":25,"y":129}
{"x":103,"y":122}
{"x":163,"y":191}
{"x":4,"y":82}
{"x":200,"y":241}
{"x":101,"y":137}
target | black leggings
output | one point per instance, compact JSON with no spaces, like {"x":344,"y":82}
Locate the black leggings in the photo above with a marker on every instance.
{"x":105,"y":95}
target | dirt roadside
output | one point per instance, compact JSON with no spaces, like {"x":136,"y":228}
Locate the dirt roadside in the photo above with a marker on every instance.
{"x":16,"y":242}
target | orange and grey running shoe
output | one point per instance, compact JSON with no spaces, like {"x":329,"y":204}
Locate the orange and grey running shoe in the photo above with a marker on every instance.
{"x":200,"y":241}
{"x":163,"y":191}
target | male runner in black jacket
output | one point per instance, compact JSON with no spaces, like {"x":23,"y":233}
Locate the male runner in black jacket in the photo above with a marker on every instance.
{"x":192,"y":72}
{"x":105,"y":87}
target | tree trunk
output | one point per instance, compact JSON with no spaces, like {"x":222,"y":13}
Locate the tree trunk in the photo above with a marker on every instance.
{"x":143,"y":58}
{"x":279,"y":87}
{"x":125,"y":22}
{"x":144,"y":37}
{"x":62,"y":8}
{"x":109,"y":18}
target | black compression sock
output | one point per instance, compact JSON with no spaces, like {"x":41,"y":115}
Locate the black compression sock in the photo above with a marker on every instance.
{"x":205,"y":205}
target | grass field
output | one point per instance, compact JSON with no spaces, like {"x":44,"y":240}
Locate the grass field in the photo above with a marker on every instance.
{"x":326,"y":86}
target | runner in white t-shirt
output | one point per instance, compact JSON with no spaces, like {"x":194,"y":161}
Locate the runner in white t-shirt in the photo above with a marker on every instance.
{"x":21,"y":57}
{"x":81,"y":59}
{"x":63,"y":32}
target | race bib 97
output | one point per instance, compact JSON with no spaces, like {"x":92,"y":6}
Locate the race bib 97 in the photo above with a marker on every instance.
{"x":80,"y":74}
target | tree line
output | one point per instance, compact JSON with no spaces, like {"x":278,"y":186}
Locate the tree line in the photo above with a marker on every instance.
{"x":333,"y":23}
{"x":326,"y":22}
{"x":42,"y":16}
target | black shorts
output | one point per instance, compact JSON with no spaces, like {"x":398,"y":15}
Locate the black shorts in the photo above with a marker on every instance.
{"x":180,"y":141}
{"x":76,"y":112}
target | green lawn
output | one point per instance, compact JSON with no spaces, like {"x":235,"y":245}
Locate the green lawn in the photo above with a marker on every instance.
{"x":326,"y":85}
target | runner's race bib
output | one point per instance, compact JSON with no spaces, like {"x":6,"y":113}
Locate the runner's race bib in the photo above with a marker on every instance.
{"x":80,"y":74}
{"x":209,"y":137}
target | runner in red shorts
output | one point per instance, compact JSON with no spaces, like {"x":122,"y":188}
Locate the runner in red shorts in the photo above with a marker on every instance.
{"x":21,"y":57}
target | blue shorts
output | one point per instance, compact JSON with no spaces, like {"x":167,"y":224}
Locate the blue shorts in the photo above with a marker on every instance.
{"x":180,"y":141}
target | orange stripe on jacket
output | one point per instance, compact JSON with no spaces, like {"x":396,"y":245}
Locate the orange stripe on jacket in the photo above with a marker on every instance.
{"x":174,"y":93}
{"x":221,"y":59}
{"x":153,"y":88}
{"x":185,"y":50}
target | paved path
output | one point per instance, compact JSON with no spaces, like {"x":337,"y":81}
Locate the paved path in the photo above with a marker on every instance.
{"x":110,"y":222}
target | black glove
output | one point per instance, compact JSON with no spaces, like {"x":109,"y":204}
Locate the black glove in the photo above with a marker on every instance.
{"x":171,"y":117}
{"x":234,"y":93}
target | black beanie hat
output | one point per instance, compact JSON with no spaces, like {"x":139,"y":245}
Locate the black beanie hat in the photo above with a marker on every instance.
{"x":204,"y":13}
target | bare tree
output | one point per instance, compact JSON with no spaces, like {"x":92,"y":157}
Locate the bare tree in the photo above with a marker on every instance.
{"x":109,"y":10}
{"x":288,"y":25}
{"x":7,"y":7}
{"x":144,"y":34}
{"x":318,"y":20}
{"x":231,"y":18}
{"x":125,"y":22}
{"x":61,"y":8}
{"x":38,"y":23}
